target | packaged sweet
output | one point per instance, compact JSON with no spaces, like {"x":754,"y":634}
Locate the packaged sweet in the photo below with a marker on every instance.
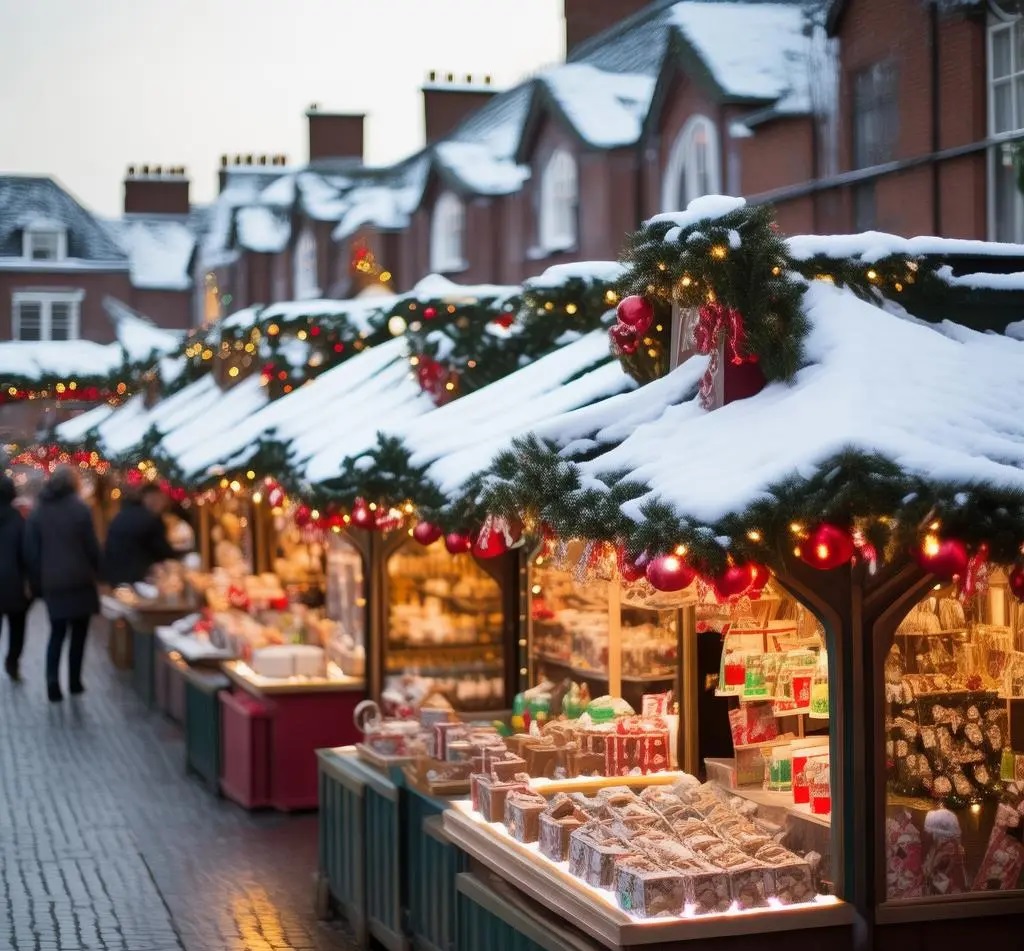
{"x":750,"y":885}
{"x":904,"y":861}
{"x":522,"y":815}
{"x":556,"y":826}
{"x":793,"y":878}
{"x":645,"y":889}
{"x":491,"y":795}
{"x":706,"y":889}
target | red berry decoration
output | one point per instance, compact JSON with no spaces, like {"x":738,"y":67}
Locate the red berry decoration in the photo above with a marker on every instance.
{"x":624,"y":338}
{"x":1016,"y":582}
{"x":425,"y":533}
{"x":945,"y":558}
{"x":826,"y":547}
{"x":362,"y":517}
{"x":669,"y":573}
{"x":457,"y":543}
{"x":636,"y":312}
{"x":490,"y":545}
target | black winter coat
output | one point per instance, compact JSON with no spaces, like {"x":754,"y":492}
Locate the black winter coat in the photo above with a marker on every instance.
{"x":136,"y":540}
{"x":13,"y":569}
{"x":63,"y":555}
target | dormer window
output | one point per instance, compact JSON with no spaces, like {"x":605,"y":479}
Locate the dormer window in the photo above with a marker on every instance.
{"x":45,"y":244}
{"x":559,"y":198}
{"x":447,"y":227}
{"x":306,"y":285}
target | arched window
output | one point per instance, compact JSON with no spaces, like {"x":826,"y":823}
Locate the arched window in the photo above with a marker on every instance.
{"x":559,"y":197}
{"x":305,"y":279}
{"x":693,"y":167}
{"x":447,"y":228}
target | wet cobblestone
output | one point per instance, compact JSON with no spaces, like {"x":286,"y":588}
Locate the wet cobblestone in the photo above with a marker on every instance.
{"x":106,"y":844}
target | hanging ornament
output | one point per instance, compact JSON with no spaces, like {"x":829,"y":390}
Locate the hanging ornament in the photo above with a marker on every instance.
{"x":490,"y":544}
{"x":275,"y":497}
{"x":362,"y":517}
{"x":426,"y":533}
{"x":457,"y":543}
{"x":944,"y":558}
{"x":635,"y":312}
{"x":826,"y":547}
{"x":976,"y":576}
{"x":1015,"y":580}
{"x":624,"y":339}
{"x":303,"y":516}
{"x":669,"y":573}
{"x":429,"y":313}
{"x":738,"y":580}
{"x":631,"y":569}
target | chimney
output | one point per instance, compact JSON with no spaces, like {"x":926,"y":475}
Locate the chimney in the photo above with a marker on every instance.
{"x":255,"y":162}
{"x":587,"y":18}
{"x":448,"y":99}
{"x":156,"y":190}
{"x":334,"y":135}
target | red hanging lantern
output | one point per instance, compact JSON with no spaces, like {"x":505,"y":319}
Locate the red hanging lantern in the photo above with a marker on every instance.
{"x":739,"y":580}
{"x":457,"y":543}
{"x":635,"y":312}
{"x":1016,"y":581}
{"x":945,"y":558}
{"x":624,"y":338}
{"x":426,"y":533}
{"x":826,"y":547}
{"x":362,"y":517}
{"x":669,"y":573}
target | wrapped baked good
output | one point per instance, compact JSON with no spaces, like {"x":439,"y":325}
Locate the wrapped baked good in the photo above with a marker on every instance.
{"x":556,"y":826}
{"x":593,"y":852}
{"x":522,"y":815}
{"x":904,"y":871}
{"x":643,"y":888}
{"x":944,"y":872}
{"x":793,"y":877}
{"x":706,"y":889}
{"x":491,"y":795}
{"x":750,"y":884}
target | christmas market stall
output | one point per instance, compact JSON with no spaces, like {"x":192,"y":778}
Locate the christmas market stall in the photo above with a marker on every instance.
{"x":834,"y":503}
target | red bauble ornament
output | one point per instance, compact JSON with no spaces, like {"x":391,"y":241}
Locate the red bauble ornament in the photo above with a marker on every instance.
{"x":429,"y":313}
{"x":624,"y":338}
{"x":944,"y":558}
{"x":632,"y":569}
{"x":635,"y":312}
{"x":669,"y":573}
{"x":303,"y":516}
{"x":826,"y":547}
{"x":738,"y":580}
{"x":362,"y":517}
{"x":425,"y":533}
{"x":275,"y":497}
{"x":457,"y":543}
{"x":1016,"y":582}
{"x":490,"y":545}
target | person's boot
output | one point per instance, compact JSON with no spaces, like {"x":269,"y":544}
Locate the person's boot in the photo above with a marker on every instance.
{"x":11,"y":666}
{"x":77,"y":689}
{"x":53,"y":692}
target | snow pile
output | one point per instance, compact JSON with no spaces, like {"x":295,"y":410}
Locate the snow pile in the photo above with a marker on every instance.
{"x":559,"y":274}
{"x":479,"y":169}
{"x":58,"y":359}
{"x":706,"y":208}
{"x":939,"y":407}
{"x":262,"y":229}
{"x":159,"y":252}
{"x":872,"y":246}
{"x":357,"y":311}
{"x":607,"y":109}
{"x":141,"y":340}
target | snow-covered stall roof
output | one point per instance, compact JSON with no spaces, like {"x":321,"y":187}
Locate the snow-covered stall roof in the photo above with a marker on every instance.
{"x":141,"y":340}
{"x":74,"y":430}
{"x":159,"y":249}
{"x":58,"y":359}
{"x":357,"y":310}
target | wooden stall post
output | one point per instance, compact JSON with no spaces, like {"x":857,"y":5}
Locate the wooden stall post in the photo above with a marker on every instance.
{"x":614,"y":639}
{"x":686,"y":625}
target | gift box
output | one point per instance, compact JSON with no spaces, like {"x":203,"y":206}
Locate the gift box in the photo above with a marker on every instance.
{"x":522,"y":815}
{"x":556,"y":825}
{"x":443,"y":733}
{"x":753,"y":723}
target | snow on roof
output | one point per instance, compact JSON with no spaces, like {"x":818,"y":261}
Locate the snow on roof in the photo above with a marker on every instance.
{"x":75,"y":429}
{"x":66,"y":359}
{"x":314,"y":407}
{"x":263,"y":229}
{"x":358,"y":310}
{"x":322,"y":196}
{"x":141,"y":340}
{"x":939,"y":407}
{"x":27,"y":199}
{"x":753,"y":50}
{"x":376,"y":205}
{"x":464,"y":436}
{"x":183,"y":437}
{"x":558,"y":274}
{"x":478,"y":168}
{"x":606,"y":109}
{"x":872,"y":246}
{"x":159,"y":251}
{"x":241,"y":319}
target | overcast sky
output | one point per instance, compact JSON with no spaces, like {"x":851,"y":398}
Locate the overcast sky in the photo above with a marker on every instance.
{"x":88,"y":87}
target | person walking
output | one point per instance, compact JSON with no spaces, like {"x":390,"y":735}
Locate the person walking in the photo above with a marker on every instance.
{"x":14,"y":600}
{"x":63,"y":556}
{"x":137,"y":538}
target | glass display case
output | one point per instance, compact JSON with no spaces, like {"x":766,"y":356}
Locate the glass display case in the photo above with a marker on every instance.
{"x":445,"y":628}
{"x":953,"y":711}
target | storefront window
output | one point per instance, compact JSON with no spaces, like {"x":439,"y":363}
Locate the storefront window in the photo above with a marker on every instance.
{"x":445,"y":629}
{"x":346,"y":606}
{"x":954,"y":687}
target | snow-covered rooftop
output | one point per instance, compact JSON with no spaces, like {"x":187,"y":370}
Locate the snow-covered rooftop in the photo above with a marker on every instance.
{"x":58,"y":359}
{"x":141,"y":340}
{"x":606,"y":109}
{"x":159,"y":249}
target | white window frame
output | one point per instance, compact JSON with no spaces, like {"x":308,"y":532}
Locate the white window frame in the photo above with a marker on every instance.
{"x":559,"y":202}
{"x":33,"y":233}
{"x":46,"y":300}
{"x":448,"y":234}
{"x":304,"y":266}
{"x":681,"y":183}
{"x":1014,"y":26}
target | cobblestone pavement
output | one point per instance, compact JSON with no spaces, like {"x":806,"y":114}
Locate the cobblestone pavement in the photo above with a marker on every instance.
{"x":106,"y":844}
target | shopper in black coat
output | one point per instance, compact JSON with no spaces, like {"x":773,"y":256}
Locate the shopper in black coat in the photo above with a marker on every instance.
{"x":13,"y":575}
{"x":137,"y":538}
{"x":64,"y":560}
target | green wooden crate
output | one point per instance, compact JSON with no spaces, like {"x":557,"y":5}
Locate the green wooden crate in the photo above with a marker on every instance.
{"x":202,"y":724}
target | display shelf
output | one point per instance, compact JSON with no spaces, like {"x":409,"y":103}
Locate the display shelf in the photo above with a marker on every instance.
{"x":603,"y":674}
{"x":335,"y":681}
{"x":596,"y":912}
{"x":783,"y":801}
{"x":400,"y":647}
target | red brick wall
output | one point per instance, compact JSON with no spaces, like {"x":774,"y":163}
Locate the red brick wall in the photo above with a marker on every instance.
{"x":444,"y":108}
{"x":94,"y":324}
{"x":171,"y":309}
{"x":779,"y":153}
{"x":159,"y":195}
{"x":332,"y":135}
{"x":586,"y":18}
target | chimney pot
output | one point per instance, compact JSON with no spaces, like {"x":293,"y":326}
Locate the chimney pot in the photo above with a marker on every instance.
{"x":224,"y":161}
{"x":451,"y":77}
{"x":157,"y":170}
{"x":248,"y":159}
{"x":131,"y":171}
{"x":487,"y":80}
